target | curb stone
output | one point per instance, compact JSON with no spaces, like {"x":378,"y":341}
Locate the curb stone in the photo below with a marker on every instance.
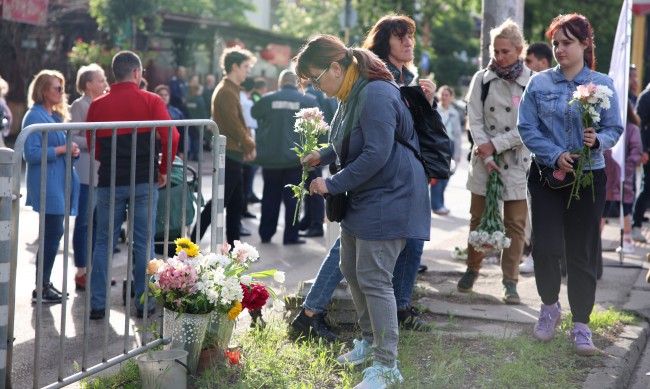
{"x":621,"y":359}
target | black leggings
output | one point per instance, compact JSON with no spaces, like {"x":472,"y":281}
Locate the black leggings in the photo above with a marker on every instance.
{"x":573,"y":233}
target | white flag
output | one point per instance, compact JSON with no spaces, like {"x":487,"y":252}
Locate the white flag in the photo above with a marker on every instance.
{"x":619,"y":71}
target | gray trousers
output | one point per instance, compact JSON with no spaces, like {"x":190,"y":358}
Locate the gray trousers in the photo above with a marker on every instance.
{"x":368,"y":268}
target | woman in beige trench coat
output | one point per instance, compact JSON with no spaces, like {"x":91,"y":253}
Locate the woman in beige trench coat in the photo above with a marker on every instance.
{"x":493,"y":124}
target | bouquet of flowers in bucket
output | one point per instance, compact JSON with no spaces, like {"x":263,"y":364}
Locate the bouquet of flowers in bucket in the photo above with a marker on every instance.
{"x":310,"y":125}
{"x":191,"y":282}
{"x":591,"y":97}
{"x":490,"y":233}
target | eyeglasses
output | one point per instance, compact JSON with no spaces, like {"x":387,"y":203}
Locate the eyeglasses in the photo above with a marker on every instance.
{"x":316,"y":81}
{"x":58,"y":88}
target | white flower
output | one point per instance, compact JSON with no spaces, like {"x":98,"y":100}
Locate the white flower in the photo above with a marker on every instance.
{"x":278,"y":305}
{"x":246,"y":279}
{"x":605,"y":104}
{"x":279,"y":276}
{"x":248,"y":252}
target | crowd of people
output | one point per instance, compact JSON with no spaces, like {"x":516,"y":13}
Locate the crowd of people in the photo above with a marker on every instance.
{"x":521,"y":124}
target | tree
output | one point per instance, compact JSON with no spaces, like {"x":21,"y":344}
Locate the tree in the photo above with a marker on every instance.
{"x":446,"y":29}
{"x":309,"y":17}
{"x":123,"y":18}
{"x":603,"y":15}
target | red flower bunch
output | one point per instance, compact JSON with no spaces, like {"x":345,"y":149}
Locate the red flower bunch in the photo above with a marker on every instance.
{"x":255,"y":296}
{"x":233,"y":357}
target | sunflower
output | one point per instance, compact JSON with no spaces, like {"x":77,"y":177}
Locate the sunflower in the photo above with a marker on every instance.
{"x":190,"y":248}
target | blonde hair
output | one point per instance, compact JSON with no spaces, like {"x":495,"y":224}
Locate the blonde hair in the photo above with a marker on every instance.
{"x":511,"y":31}
{"x":85,"y":75}
{"x":39,"y":84}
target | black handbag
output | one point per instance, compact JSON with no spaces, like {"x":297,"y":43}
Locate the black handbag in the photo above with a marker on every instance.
{"x":555,"y":178}
{"x":336,"y":205}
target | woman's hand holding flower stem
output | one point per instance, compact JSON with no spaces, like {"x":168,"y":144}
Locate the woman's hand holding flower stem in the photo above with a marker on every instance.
{"x":590,"y":139}
{"x":311,"y":160}
{"x":484,"y":151}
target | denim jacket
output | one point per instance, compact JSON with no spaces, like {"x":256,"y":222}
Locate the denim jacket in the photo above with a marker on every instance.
{"x":549,"y":126}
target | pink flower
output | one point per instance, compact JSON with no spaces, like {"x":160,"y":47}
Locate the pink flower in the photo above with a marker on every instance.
{"x":225,"y":249}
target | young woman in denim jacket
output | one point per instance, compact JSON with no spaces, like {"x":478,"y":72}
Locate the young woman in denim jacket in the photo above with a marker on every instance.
{"x":552,"y":130}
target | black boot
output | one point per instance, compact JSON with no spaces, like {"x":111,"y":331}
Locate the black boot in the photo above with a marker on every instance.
{"x":316,"y":325}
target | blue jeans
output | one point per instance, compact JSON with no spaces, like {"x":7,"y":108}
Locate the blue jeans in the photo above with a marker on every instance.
{"x":101,"y":251}
{"x":329,"y":276}
{"x":438,"y":194}
{"x":51,"y":240}
{"x":406,"y":271}
{"x":80,"y":233}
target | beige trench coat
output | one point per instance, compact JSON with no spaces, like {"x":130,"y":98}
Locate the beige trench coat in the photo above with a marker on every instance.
{"x":496,"y":121}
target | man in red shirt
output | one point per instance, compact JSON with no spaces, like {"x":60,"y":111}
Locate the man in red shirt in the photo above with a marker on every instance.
{"x":126,"y":102}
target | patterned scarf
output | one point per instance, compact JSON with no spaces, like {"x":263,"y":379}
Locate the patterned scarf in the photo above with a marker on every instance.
{"x":508,"y":73}
{"x":351,"y":76}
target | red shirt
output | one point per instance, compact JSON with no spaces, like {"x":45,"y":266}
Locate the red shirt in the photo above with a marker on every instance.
{"x":126,"y":102}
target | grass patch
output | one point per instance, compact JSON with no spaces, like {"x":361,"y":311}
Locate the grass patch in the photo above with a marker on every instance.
{"x":272,"y":358}
{"x":608,"y":322}
{"x":127,"y":377}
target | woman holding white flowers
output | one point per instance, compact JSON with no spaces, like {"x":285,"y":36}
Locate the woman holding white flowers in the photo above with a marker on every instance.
{"x":494,"y":95}
{"x":385,"y":184}
{"x":554,"y":132}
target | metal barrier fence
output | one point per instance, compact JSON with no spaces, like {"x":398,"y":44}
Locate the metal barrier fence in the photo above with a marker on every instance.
{"x":10,"y":183}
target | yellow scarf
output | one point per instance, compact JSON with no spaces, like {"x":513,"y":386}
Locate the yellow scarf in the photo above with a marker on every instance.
{"x":351,"y":76}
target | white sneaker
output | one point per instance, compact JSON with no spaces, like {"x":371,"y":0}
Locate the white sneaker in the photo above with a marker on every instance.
{"x":628,"y":247}
{"x":637,"y":236}
{"x":527,"y":266}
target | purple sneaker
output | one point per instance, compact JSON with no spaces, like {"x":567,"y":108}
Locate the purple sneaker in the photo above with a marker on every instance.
{"x":549,"y":317}
{"x":581,"y":338}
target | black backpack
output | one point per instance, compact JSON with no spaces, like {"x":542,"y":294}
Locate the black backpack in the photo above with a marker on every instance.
{"x":435,"y":145}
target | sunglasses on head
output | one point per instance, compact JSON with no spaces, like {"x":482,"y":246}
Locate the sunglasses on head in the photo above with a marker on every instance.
{"x":316,"y":81}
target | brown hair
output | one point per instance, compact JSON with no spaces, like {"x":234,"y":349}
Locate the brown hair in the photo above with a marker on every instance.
{"x":39,"y":84}
{"x":161,"y":87}
{"x":235,"y":56}
{"x":321,"y":50}
{"x":579,"y":27}
{"x":378,"y":39}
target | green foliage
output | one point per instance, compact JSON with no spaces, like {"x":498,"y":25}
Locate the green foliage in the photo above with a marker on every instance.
{"x":454,"y":42}
{"x":84,"y":53}
{"x":308,"y":17}
{"x":118,"y":16}
{"x":446,"y":29}
{"x":601,"y":322}
{"x":127,"y":377}
{"x":603,"y":15}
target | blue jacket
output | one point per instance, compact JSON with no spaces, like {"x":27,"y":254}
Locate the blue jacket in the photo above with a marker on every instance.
{"x":56,"y":166}
{"x":386,"y":184}
{"x":275,"y":136}
{"x":549,"y":126}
